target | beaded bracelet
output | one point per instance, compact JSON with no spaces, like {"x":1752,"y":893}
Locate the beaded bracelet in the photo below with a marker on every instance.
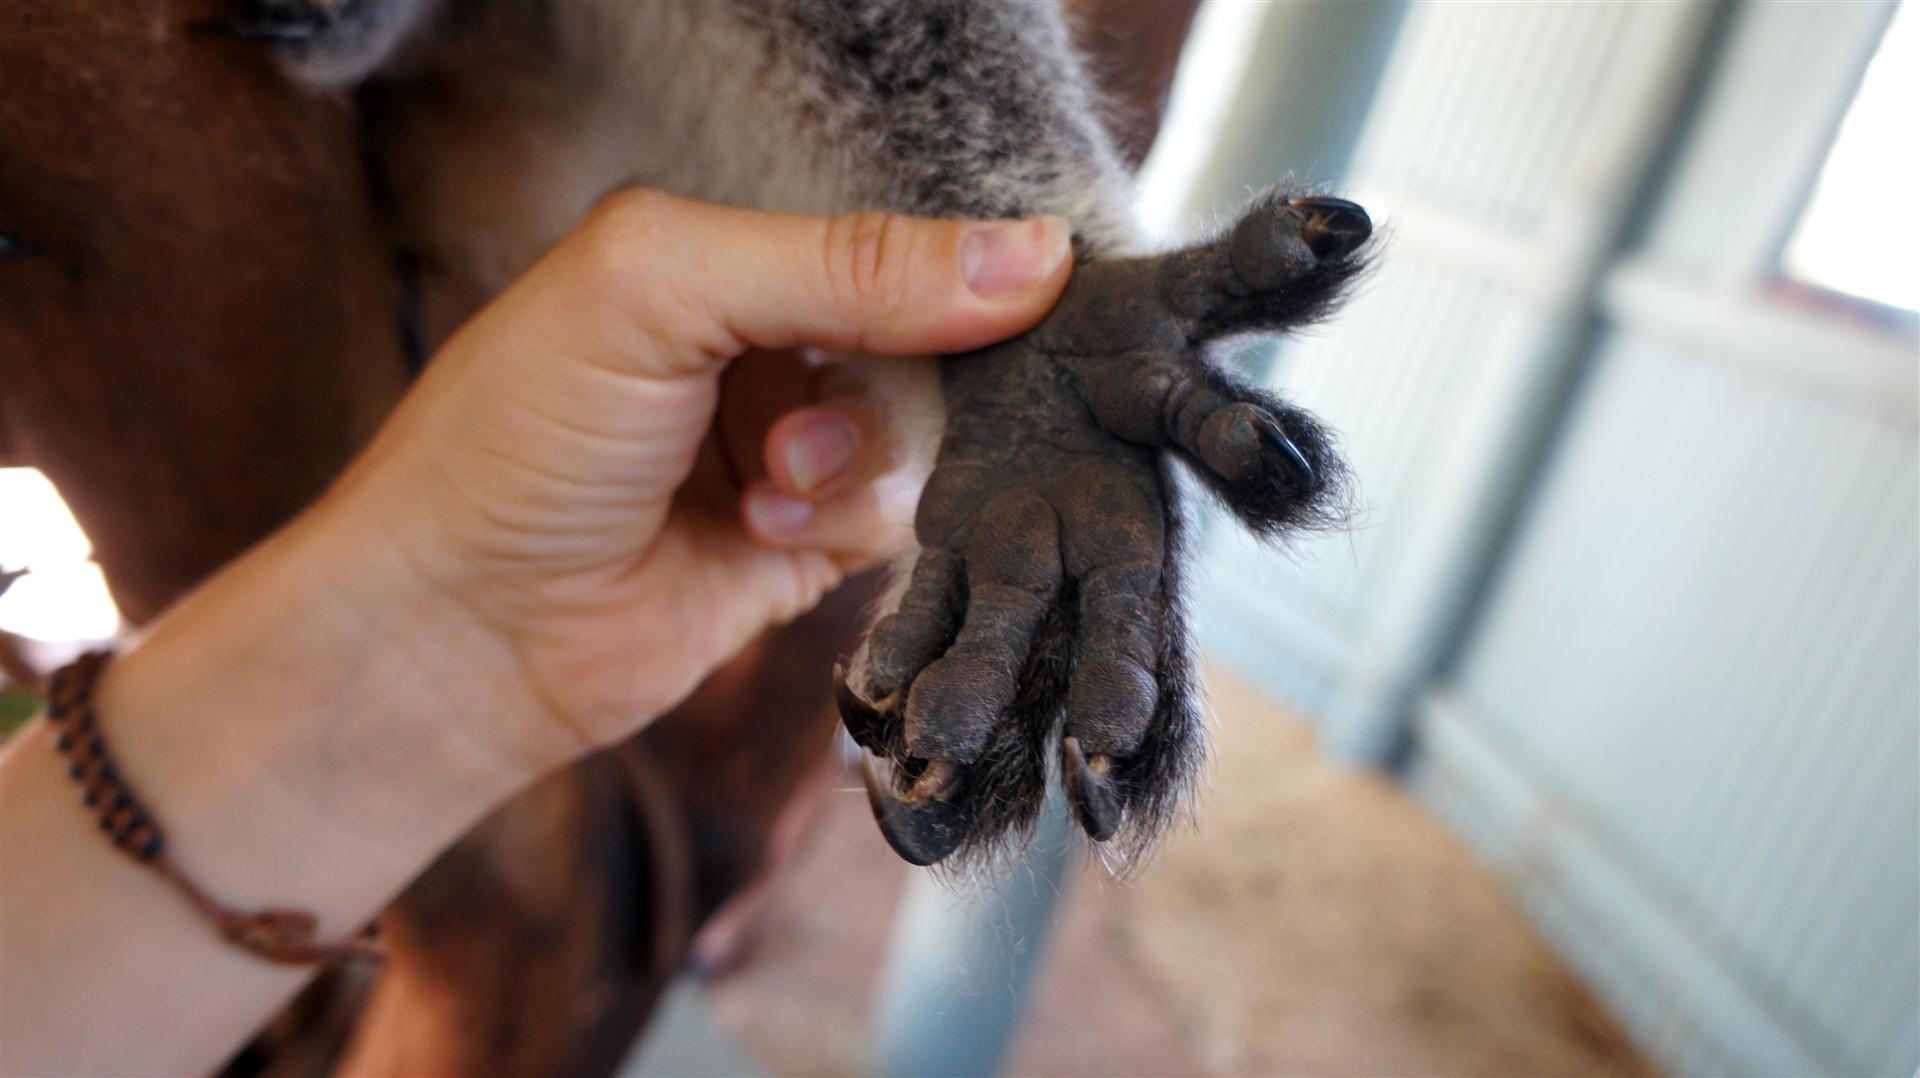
{"x":278,"y":935}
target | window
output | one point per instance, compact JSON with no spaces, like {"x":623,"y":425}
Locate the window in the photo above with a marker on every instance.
{"x":1860,"y":232}
{"x":63,"y":597}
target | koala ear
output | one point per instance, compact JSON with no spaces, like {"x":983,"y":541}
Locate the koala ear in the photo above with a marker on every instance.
{"x":332,"y":44}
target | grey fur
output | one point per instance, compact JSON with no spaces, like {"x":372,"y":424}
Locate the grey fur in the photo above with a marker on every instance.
{"x":953,"y":108}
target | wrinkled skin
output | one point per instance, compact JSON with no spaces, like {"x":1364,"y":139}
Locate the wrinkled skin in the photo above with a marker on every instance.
{"x":1046,"y":599}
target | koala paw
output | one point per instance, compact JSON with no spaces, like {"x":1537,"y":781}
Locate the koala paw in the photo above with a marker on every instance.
{"x":1044,"y":614}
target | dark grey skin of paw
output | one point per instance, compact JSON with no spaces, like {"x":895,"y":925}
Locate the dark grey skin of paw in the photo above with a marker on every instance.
{"x":1044,"y":613}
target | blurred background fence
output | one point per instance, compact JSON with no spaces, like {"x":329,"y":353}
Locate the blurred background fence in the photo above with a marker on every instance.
{"x":1634,"y":600}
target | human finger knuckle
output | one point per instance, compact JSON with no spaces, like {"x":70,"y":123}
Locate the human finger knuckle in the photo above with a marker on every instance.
{"x":869,"y":258}
{"x":623,"y":228}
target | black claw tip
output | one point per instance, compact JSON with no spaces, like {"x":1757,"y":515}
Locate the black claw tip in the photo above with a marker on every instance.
{"x":1278,"y":443}
{"x":862,"y":720}
{"x":923,"y":825}
{"x":1335,"y":227}
{"x":1096,"y":800}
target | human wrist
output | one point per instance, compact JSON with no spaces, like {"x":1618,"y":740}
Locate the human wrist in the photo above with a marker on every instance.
{"x":292,"y":756}
{"x":312,"y":725}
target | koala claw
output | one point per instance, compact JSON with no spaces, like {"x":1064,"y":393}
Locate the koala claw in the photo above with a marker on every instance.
{"x":1336,"y":228}
{"x":925,"y":824}
{"x":1279,"y":445}
{"x":1097,"y":804}
{"x":863,"y":720}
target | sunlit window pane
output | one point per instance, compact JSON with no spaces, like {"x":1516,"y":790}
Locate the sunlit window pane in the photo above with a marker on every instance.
{"x":64,"y":596}
{"x":1859,"y":232}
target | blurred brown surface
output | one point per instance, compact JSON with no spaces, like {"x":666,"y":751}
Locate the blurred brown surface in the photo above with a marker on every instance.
{"x":1132,"y":48}
{"x":1317,"y":922}
{"x":210,"y":331}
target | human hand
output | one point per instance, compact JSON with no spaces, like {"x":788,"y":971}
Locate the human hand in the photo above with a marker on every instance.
{"x":540,"y":552}
{"x":554,"y":479}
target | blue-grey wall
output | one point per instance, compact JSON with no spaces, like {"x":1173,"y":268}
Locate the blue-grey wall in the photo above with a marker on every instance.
{"x":1635,"y":600}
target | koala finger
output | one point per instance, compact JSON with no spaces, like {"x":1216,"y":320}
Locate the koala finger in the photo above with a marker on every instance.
{"x":1114,"y":691}
{"x":917,"y":631}
{"x":1273,"y":464}
{"x":1012,"y":574}
{"x":1287,"y":261}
